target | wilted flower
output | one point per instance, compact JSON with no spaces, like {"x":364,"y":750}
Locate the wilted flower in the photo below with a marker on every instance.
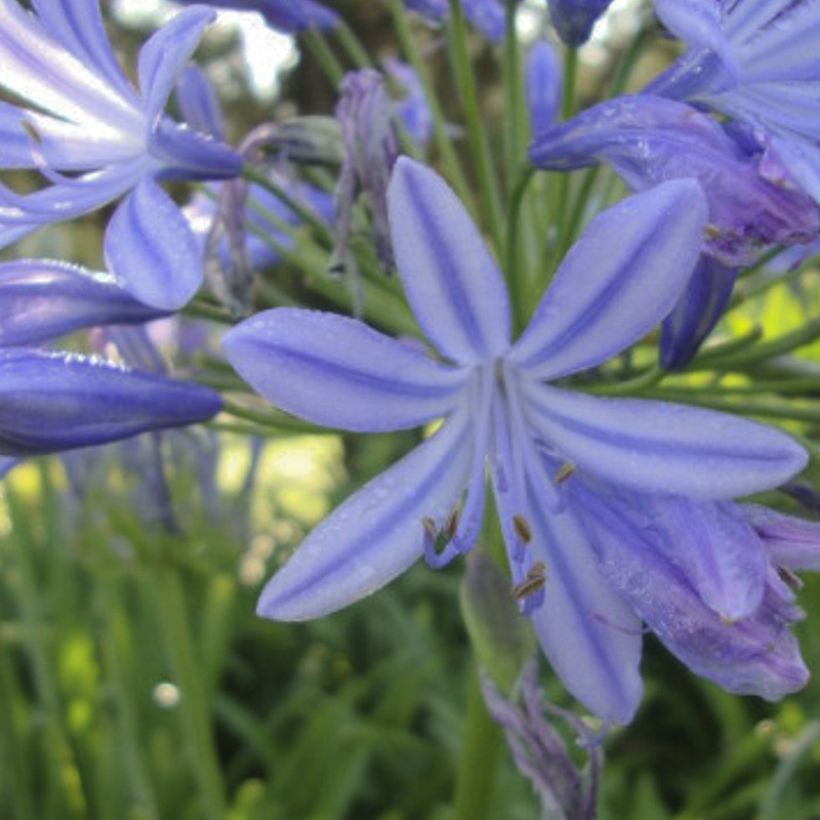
{"x":545,"y":444}
{"x":82,"y":115}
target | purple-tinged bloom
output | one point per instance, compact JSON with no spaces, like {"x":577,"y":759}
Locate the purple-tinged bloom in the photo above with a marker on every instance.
{"x":649,"y":139}
{"x":60,"y":401}
{"x":574,"y":19}
{"x":632,"y":534}
{"x":621,"y":278}
{"x":543,"y":86}
{"x":756,"y":62}
{"x":81,"y":115}
{"x":41,"y":299}
{"x":288,"y":16}
{"x":366,"y":116}
{"x":697,"y":312}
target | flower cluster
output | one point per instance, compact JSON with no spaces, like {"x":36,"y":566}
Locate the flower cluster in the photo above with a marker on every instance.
{"x":620,"y":504}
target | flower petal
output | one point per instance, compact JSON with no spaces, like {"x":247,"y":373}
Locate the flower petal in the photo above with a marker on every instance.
{"x":660,"y":447}
{"x":150,"y":248}
{"x":452,"y":283}
{"x":163,"y":57}
{"x":619,"y":280}
{"x":376,"y":534}
{"x":717,"y":549}
{"x":338,"y":372}
{"x":756,"y":655}
{"x":793,"y":543}
{"x":698,"y":23}
{"x":51,"y":402}
{"x":588,"y":633}
{"x":41,"y":299}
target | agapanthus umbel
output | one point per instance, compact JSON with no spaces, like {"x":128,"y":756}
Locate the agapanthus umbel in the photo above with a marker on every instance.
{"x":561,"y":461}
{"x":94,"y":138}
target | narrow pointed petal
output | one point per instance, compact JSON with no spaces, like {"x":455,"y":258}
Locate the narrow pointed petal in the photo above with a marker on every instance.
{"x":699,"y":24}
{"x":543,"y":86}
{"x":198,"y":103}
{"x":588,"y":633}
{"x":698,"y":310}
{"x":190,"y":155}
{"x":41,"y":299}
{"x":793,"y":543}
{"x":376,"y":534}
{"x":338,"y":372}
{"x":51,"y":402}
{"x":755,"y":655}
{"x":619,"y":280}
{"x":452,"y":282}
{"x":660,"y":447}
{"x":163,"y":58}
{"x":151,"y":250}
{"x":717,"y":549}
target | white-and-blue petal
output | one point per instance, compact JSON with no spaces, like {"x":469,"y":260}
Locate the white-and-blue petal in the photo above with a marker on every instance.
{"x":338,"y":372}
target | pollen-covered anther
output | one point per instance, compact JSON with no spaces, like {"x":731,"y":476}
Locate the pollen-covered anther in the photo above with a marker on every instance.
{"x":790,"y":579}
{"x":450,"y":527}
{"x":535,"y":579}
{"x":522,"y":528}
{"x":565,"y":471}
{"x":712,"y":231}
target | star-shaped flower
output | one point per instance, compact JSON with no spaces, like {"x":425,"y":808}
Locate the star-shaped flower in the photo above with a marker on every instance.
{"x":548,"y":447}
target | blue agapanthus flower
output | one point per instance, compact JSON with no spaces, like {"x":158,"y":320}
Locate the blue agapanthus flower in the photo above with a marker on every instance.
{"x":553,"y":453}
{"x":94,"y":138}
{"x":756,"y":62}
{"x":289,"y":16}
{"x":487,"y":16}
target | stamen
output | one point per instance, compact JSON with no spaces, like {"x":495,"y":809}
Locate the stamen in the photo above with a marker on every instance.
{"x":451,"y":524}
{"x":564,"y":472}
{"x":522,"y":528}
{"x":430,"y":528}
{"x":790,"y":579}
{"x":534,"y":581}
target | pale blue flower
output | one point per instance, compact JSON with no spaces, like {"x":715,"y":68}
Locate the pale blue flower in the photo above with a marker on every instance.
{"x":540,"y":440}
{"x":81,"y":115}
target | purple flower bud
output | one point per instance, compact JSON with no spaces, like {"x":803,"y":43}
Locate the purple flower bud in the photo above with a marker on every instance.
{"x":59,"y":401}
{"x":41,"y":299}
{"x":574,"y":19}
{"x":697,"y":312}
{"x":543,"y":78}
{"x":289,"y":16}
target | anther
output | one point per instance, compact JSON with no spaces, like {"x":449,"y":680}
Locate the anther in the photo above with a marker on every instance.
{"x":535,"y":580}
{"x":451,"y":525}
{"x":522,"y":528}
{"x":790,"y":579}
{"x":430,"y":527}
{"x":564,"y":472}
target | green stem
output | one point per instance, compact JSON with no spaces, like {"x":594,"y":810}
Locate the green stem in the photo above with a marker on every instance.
{"x":514,"y":271}
{"x":260,"y":178}
{"x":475,"y":779}
{"x":352,"y":45}
{"x":194,"y":711}
{"x":274,"y":420}
{"x":324,"y":56}
{"x":513,"y":89}
{"x":452,"y":163}
{"x":476,"y":132}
